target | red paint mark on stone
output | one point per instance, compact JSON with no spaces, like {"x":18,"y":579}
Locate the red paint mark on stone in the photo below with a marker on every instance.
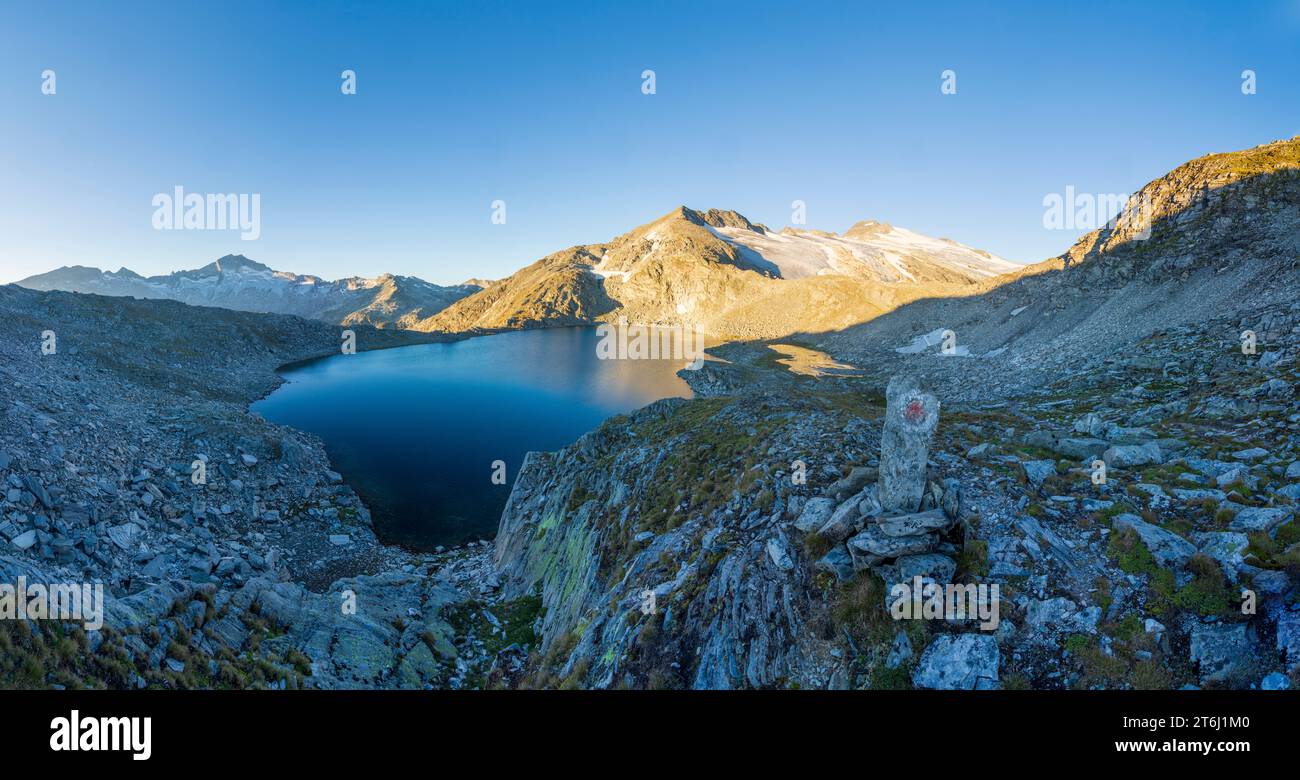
{"x":914,"y":412}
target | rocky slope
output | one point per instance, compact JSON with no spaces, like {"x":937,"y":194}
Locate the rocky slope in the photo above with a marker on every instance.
{"x":1133,"y":356}
{"x":1224,"y":232}
{"x":718,"y":271}
{"x":235,"y":282}
{"x":234,"y":581}
{"x":758,"y":580}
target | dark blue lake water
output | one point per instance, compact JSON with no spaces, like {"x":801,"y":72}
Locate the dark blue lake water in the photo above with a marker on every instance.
{"x":415,"y":430}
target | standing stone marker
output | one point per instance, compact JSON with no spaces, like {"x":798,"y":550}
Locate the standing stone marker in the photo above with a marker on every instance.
{"x":910,"y":417}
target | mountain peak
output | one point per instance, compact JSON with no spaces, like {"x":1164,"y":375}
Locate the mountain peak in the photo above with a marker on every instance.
{"x":717,"y":218}
{"x":229,"y":263}
{"x":868,"y":228}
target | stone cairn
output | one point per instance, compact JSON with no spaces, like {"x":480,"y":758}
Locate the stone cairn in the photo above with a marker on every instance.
{"x":892,"y":519}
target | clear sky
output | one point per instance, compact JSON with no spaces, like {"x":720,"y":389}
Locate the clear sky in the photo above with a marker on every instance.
{"x":540,"y":104}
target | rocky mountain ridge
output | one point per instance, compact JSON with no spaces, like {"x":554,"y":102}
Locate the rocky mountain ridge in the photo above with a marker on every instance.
{"x":718,"y":271}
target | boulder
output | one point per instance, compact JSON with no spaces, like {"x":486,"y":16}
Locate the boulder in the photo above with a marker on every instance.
{"x":964,"y":662}
{"x":845,"y":521}
{"x":1169,"y":549}
{"x":1090,"y":424}
{"x":815,"y":514}
{"x":930,"y":566}
{"x":779,"y":553}
{"x":1222,"y":651}
{"x":1265,"y":519}
{"x":25,"y":539}
{"x":1127,"y":455}
{"x":1228,"y":548}
{"x":837,"y":562}
{"x":858,"y":478}
{"x":900,"y":652}
{"x":1079,"y":448}
{"x":1038,"y":470}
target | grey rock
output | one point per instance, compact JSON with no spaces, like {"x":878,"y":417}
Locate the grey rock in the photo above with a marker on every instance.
{"x":1275,"y":681}
{"x":845,"y":521}
{"x":929,"y":566}
{"x":1222,"y":651}
{"x":837,"y":562}
{"x":1038,"y":470}
{"x":1126,"y":455}
{"x":1076,"y":447}
{"x":1090,"y":424}
{"x":123,"y":535}
{"x":1261,"y":518}
{"x":963,"y":662}
{"x":779,"y":553}
{"x":24,"y":540}
{"x":36,"y":488}
{"x":900,"y":652}
{"x":858,"y":478}
{"x":1271,"y":582}
{"x":1198,"y":494}
{"x":1228,"y":548}
{"x":914,"y":523}
{"x":910,"y":419}
{"x":1169,"y":549}
{"x":1047,"y":616}
{"x":815,"y":514}
{"x":873,"y":546}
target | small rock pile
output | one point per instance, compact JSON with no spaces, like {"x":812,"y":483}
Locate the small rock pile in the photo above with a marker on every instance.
{"x":892,"y":520}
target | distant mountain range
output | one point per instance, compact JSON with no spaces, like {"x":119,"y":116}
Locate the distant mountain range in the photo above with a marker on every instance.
{"x":235,"y":282}
{"x":732,"y":277}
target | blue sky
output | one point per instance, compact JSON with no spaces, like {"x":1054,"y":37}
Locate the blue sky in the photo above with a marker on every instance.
{"x":540,"y":105}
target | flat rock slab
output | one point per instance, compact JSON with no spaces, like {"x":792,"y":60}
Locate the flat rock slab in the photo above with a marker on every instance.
{"x":1260,"y":519}
{"x":123,"y":535}
{"x":873,"y":546}
{"x":1126,"y":455}
{"x":915,"y":523}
